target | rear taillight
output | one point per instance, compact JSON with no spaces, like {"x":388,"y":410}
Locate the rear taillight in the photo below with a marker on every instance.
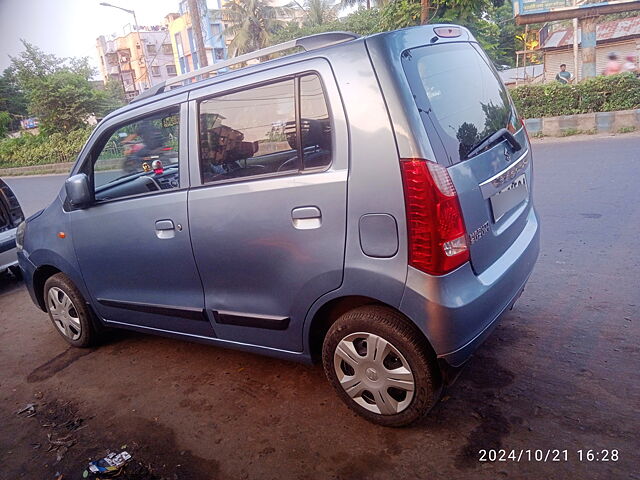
{"x":524,"y":125}
{"x":437,"y":236}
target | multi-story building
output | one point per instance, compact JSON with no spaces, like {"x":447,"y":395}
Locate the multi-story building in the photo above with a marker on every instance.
{"x":183,"y":39}
{"x":138,"y":58}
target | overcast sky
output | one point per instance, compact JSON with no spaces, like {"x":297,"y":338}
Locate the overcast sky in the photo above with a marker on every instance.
{"x":69,"y":28}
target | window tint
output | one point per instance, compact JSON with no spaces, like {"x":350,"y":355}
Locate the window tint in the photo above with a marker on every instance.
{"x":315,"y":126}
{"x":139,"y":157}
{"x":248,"y":133}
{"x":466,"y":101}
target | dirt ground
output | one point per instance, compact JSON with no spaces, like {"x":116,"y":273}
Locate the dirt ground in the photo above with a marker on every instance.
{"x":559,"y":372}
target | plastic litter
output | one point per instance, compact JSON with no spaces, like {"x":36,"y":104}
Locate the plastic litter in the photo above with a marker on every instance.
{"x":29,"y":409}
{"x":109,"y":464}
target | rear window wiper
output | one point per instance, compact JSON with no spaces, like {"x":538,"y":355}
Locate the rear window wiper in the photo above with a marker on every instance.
{"x":502,"y":134}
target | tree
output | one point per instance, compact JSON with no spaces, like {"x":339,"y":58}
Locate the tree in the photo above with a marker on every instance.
{"x":367,"y":3}
{"x":5,"y":121}
{"x":319,"y":12}
{"x":58,"y":90}
{"x":12,"y":99}
{"x":253,"y":22}
{"x":63,"y":101}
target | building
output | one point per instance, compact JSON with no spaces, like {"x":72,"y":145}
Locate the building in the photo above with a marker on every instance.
{"x":124,"y":58}
{"x":619,"y":36}
{"x":183,"y":39}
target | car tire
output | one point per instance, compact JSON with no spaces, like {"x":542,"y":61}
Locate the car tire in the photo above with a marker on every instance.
{"x":68,"y":311}
{"x":379,"y":365}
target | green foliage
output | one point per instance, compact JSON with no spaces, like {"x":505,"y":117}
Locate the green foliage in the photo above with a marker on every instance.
{"x":42,"y":149}
{"x":12,"y":99}
{"x":5,"y":121}
{"x":63,"y":101}
{"x":362,"y":22}
{"x":252,"y":23}
{"x":58,"y":90}
{"x":400,"y":14}
{"x":319,"y":12}
{"x":598,"y":94}
{"x":115,"y":91}
{"x":491,"y":22}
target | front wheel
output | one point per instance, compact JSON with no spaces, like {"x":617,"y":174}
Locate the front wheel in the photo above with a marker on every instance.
{"x":378,"y":365}
{"x":68,"y":311}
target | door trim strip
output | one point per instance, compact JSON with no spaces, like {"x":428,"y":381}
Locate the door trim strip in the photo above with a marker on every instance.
{"x":181,"y":312}
{"x":269,"y":322}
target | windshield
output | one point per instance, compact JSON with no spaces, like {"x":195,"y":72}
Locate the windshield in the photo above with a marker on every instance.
{"x":456,"y":88}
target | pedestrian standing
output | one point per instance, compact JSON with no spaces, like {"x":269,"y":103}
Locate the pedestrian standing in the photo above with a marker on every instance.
{"x":630,"y":65}
{"x":563,"y":76}
{"x":613,"y":65}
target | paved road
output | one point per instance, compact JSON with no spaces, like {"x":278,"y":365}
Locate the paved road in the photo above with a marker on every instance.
{"x":560,"y":372}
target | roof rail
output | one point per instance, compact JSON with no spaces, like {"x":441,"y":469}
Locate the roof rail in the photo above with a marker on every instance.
{"x":150,"y":92}
{"x":312,"y":42}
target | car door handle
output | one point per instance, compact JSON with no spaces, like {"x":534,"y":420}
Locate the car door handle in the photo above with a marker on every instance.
{"x":306,"y":218}
{"x":165,"y":225}
{"x":165,"y":229}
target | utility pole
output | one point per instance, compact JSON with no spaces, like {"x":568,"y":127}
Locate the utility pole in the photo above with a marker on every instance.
{"x":197,"y":31}
{"x":576,"y":65}
{"x":142,"y":47}
{"x":135,"y":22}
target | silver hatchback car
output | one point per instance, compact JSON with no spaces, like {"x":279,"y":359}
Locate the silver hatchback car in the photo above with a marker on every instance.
{"x":365,"y":202}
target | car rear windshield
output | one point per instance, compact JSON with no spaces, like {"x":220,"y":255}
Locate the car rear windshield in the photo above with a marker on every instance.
{"x":458,"y":94}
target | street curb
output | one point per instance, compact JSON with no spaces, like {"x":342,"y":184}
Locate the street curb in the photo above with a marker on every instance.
{"x":622,"y":121}
{"x":50,"y":169}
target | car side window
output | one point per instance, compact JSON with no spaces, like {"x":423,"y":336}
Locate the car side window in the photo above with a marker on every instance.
{"x":139,"y":157}
{"x":315,"y":124}
{"x":248,"y":133}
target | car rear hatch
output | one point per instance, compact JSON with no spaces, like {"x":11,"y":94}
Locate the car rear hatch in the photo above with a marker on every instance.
{"x":475,"y":132}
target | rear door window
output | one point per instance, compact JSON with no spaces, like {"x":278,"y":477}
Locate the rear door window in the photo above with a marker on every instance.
{"x":315,"y":126}
{"x":280,"y":128}
{"x":249,"y":133}
{"x":458,"y":94}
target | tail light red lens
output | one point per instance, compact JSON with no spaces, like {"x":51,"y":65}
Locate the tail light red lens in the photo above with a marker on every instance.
{"x":436,"y":231}
{"x":524,"y":125}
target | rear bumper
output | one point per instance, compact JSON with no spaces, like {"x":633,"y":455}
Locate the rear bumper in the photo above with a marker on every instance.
{"x":459,"y":310}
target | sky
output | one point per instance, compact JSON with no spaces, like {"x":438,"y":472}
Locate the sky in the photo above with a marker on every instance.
{"x":69,"y":28}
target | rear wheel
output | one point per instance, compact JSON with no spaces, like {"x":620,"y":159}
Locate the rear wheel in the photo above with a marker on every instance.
{"x":68,"y":311}
{"x":379,"y":367}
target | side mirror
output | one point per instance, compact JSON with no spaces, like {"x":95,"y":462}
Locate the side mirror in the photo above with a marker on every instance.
{"x":77,"y":188}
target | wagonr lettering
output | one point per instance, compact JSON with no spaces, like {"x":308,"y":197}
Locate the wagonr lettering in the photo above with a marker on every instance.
{"x":319,"y":206}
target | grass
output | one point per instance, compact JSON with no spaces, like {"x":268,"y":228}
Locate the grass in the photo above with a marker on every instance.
{"x":574,"y":131}
{"x":626,"y":129}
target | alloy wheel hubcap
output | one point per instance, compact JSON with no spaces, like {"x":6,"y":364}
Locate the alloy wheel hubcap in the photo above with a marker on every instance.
{"x":64,"y":313}
{"x":374,"y":373}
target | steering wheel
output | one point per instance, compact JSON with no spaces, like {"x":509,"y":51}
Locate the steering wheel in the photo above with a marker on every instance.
{"x":288,"y":164}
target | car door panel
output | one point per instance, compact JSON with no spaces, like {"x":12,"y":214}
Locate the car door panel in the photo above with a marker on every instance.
{"x":267,"y":248}
{"x":135,"y":252}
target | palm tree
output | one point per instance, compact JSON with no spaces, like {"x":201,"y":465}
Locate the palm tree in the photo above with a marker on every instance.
{"x":351,"y":3}
{"x":252,"y":23}
{"x":319,"y":12}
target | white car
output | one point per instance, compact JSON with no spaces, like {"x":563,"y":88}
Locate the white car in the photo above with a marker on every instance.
{"x":10,"y":217}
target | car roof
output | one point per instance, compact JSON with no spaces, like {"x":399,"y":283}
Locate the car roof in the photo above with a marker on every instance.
{"x":333,"y":43}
